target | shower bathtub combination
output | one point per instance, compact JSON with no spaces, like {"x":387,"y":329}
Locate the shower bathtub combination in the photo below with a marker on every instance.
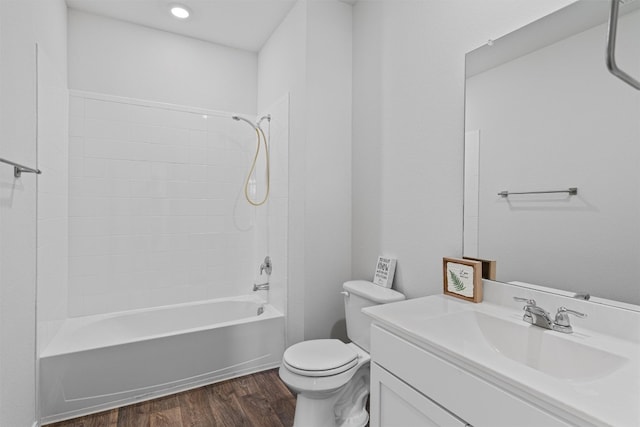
{"x":100,"y":362}
{"x":161,"y":221}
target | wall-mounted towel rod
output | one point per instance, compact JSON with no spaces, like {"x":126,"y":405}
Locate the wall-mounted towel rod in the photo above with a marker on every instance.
{"x":611,"y":46}
{"x":18,"y":168}
{"x":572,"y":192}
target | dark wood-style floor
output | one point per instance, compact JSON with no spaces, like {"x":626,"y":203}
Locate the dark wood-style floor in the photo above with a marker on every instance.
{"x":257,"y":400}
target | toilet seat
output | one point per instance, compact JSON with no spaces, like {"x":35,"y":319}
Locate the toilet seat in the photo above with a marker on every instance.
{"x":320,"y":358}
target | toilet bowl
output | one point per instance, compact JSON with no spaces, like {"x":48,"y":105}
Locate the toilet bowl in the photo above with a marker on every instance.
{"x":331,"y":392}
{"x":331,"y":378}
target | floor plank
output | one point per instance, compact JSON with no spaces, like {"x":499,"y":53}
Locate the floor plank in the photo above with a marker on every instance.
{"x":137,"y":415}
{"x":242,"y":385}
{"x":104,"y":419}
{"x":259,"y":410}
{"x":257,"y":400}
{"x":195,"y":409}
{"x":226,"y":408}
{"x":166,"y":418}
{"x":284,"y":406}
{"x":165,"y":412}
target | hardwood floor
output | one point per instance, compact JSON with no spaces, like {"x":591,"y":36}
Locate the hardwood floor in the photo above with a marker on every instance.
{"x":257,"y":400}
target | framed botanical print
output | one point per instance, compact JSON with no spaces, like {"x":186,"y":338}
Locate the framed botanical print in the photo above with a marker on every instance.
{"x":462,"y":278}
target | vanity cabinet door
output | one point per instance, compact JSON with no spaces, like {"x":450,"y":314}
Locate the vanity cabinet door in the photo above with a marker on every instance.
{"x":396,"y":404}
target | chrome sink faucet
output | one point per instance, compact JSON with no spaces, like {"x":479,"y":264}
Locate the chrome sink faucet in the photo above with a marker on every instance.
{"x":539,"y":317}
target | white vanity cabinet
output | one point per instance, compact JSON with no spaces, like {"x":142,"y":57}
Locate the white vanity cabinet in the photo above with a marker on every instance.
{"x":441,"y":361}
{"x":395,"y":403}
{"x":411,"y":386}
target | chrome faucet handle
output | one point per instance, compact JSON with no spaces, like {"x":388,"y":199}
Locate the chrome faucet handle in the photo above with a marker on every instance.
{"x":562,"y":322}
{"x":266,"y":266}
{"x":529,"y":303}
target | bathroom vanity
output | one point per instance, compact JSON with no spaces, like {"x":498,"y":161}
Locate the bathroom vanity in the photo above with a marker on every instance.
{"x":440,"y":361}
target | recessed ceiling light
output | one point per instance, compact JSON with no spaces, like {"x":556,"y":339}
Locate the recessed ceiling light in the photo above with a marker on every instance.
{"x":180,"y":12}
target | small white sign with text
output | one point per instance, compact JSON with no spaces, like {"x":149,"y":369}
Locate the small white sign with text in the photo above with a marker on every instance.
{"x":385,"y":270}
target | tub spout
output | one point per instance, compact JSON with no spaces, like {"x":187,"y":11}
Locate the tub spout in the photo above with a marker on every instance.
{"x":262,"y":287}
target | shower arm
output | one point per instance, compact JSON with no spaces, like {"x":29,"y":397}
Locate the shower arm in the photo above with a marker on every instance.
{"x":253,"y":125}
{"x":267,"y":118}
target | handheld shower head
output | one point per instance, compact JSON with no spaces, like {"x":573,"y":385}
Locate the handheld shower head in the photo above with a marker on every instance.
{"x":261,"y":138}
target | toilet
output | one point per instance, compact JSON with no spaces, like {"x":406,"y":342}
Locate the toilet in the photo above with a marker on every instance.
{"x":331,"y":378}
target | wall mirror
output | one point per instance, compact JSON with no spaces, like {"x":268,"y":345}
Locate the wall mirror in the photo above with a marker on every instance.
{"x":544,"y":114}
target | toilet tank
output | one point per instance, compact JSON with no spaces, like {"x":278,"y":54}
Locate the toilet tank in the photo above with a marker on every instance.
{"x":358,"y":295}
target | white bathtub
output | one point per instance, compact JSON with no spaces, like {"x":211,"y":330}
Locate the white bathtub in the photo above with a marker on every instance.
{"x":100,"y":362}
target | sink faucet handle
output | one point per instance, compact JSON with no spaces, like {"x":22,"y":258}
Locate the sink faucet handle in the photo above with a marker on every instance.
{"x":563,"y":310}
{"x":562,"y":322}
{"x":525,"y":300}
{"x":527,"y":313}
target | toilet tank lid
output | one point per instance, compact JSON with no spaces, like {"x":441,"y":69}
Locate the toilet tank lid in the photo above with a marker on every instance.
{"x":373,"y":292}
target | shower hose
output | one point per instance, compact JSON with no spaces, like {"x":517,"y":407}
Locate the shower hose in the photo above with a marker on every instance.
{"x":261,"y":138}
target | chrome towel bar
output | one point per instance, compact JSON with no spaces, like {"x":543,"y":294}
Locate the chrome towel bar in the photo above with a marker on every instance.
{"x":572,"y":191}
{"x":611,"y":47}
{"x":18,"y":168}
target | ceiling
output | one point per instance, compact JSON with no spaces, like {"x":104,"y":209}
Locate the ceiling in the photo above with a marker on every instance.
{"x":242,"y":24}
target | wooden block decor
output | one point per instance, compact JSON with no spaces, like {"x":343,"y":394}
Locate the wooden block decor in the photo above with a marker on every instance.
{"x":488,"y":267}
{"x":462,"y":278}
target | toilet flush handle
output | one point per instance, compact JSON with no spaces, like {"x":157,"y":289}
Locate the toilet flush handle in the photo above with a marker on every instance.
{"x":345,"y":293}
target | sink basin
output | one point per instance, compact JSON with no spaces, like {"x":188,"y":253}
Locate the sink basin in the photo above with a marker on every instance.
{"x":541,"y":349}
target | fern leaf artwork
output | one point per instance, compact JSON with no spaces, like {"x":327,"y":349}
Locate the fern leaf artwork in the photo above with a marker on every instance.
{"x":462,"y":278}
{"x":458,"y":285}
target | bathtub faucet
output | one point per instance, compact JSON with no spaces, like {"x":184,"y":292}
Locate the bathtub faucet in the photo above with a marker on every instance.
{"x":266,"y":266}
{"x":262,"y":287}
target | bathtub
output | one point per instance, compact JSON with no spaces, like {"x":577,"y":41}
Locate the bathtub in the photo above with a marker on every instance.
{"x":101,"y":362}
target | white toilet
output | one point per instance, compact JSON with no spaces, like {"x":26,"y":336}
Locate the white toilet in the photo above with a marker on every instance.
{"x":330,"y":377}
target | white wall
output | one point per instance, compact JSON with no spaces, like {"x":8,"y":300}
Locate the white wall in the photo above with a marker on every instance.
{"x":22,"y":24}
{"x":408,"y":129}
{"x":328,"y":167}
{"x":309,"y":56}
{"x":272,"y":218}
{"x":53,"y":191}
{"x":282,"y":70}
{"x":157,"y":208}
{"x":118,"y":58}
{"x":552,"y":119}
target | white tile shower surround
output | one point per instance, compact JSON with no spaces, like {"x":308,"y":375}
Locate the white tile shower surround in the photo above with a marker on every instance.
{"x":156,"y":205}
